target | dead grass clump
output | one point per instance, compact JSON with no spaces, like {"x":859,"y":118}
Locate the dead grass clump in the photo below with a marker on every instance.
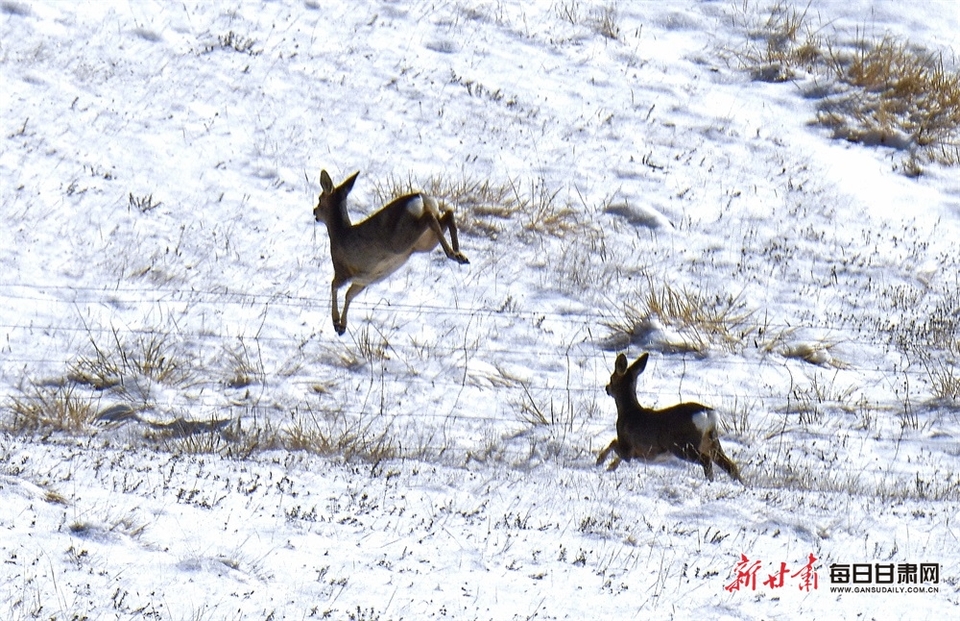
{"x":944,"y":378}
{"x":793,"y":471}
{"x":328,"y":435}
{"x":226,"y":438}
{"x":245,"y":370}
{"x":235,"y":42}
{"x":536,"y":412}
{"x":931,"y":326}
{"x":605,"y":21}
{"x":337,"y":436}
{"x":811,"y":401}
{"x":543,"y":213}
{"x":887,"y":92}
{"x":568,"y":11}
{"x":930,"y":335}
{"x":146,"y":355}
{"x":897,"y":95}
{"x":781,"y":44}
{"x":44,"y":409}
{"x":667,"y":318}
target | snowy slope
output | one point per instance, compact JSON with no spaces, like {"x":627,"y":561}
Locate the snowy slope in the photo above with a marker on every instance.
{"x":158,"y":170}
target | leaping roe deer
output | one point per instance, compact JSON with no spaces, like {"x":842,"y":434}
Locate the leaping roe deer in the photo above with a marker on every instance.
{"x":688,"y":430}
{"x":371,"y":250}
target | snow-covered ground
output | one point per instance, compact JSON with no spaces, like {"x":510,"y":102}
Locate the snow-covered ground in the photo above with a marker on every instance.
{"x":158,"y":170}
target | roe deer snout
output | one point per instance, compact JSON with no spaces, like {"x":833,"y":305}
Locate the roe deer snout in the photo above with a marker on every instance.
{"x":371,"y":250}
{"x":687,"y":430}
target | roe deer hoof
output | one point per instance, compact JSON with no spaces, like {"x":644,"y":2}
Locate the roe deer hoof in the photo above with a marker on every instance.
{"x":461,"y":258}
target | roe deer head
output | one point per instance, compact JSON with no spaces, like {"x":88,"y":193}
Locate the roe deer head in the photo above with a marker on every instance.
{"x":688,"y":430}
{"x":371,"y":250}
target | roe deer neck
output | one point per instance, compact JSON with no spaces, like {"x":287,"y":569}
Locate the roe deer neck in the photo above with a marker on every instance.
{"x":624,"y":393}
{"x":337,"y":220}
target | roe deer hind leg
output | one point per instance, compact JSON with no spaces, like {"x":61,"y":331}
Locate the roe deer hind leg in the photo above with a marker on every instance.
{"x":446,"y":222}
{"x":710,"y":445}
{"x":724,"y":462}
{"x":707,"y":464}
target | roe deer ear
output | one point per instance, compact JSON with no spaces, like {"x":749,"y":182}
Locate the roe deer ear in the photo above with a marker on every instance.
{"x":326,"y":183}
{"x":620,"y":366}
{"x":347,"y":185}
{"x":640,"y":364}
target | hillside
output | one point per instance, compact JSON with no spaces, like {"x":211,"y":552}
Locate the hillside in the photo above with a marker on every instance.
{"x":183,"y":435}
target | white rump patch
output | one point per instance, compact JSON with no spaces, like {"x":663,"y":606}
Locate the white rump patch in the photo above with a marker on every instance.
{"x":705,"y":421}
{"x":422,"y":202}
{"x":415,"y":206}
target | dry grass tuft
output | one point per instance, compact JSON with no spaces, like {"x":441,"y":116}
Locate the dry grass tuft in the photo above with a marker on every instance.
{"x":885,"y":92}
{"x":146,"y":355}
{"x":536,"y":412}
{"x":930,"y":335}
{"x":543,"y":213}
{"x":44,"y":409}
{"x":944,"y":378}
{"x":329,"y":434}
{"x":811,"y":401}
{"x":897,"y":95}
{"x":245,"y":370}
{"x":605,"y":21}
{"x":781,"y":44}
{"x":699,"y":321}
{"x":337,"y":436}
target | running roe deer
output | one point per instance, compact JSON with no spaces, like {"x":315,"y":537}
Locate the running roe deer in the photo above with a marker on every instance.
{"x":371,"y":250}
{"x":688,"y":430}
